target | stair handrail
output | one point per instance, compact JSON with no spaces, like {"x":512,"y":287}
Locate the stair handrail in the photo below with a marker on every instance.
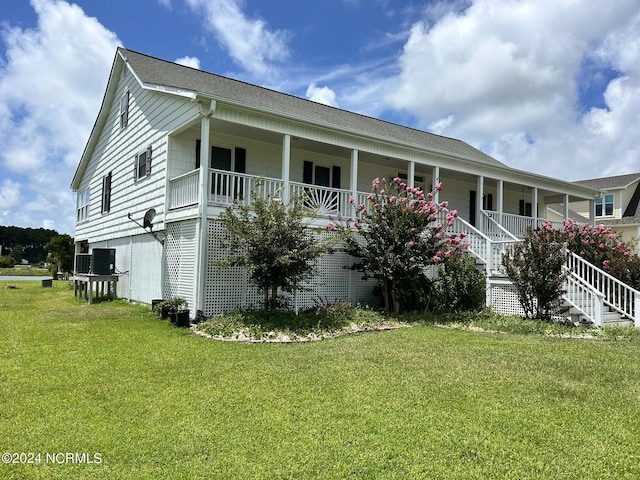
{"x":593,"y":305}
{"x":462,"y":226}
{"x":505,"y":233}
{"x":617,"y":294}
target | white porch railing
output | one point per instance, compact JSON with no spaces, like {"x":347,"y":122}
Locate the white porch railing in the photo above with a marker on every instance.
{"x":229,"y":188}
{"x":518,"y":225}
{"x":183,"y":190}
{"x":326,"y":201}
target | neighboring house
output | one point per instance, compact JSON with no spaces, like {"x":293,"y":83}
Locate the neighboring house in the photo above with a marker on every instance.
{"x":187,"y":144}
{"x":619,"y":205}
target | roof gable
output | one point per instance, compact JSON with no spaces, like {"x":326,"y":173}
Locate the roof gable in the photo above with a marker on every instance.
{"x":611,"y":183}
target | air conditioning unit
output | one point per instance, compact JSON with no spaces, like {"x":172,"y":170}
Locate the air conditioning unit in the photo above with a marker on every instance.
{"x":83,"y":263}
{"x":103,"y":261}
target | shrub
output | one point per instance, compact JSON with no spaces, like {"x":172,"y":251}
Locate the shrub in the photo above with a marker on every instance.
{"x":600,"y":246}
{"x":460,"y":286}
{"x":534,"y":265}
{"x":6,"y":262}
{"x":398,"y":234}
{"x":273,"y":241}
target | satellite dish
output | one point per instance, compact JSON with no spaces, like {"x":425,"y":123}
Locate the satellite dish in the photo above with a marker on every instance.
{"x":148,"y":218}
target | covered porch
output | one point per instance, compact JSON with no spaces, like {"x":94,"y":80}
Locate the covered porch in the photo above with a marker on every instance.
{"x":218,"y":163}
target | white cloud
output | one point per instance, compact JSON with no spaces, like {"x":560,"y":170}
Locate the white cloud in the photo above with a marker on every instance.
{"x":51,"y":86}
{"x":322,"y":95}
{"x":505,"y":75}
{"x":192,"y":62}
{"x":9,"y":194}
{"x":249,"y":41}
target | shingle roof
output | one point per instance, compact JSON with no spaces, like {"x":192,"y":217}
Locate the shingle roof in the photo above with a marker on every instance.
{"x":155,"y":71}
{"x":606,"y":183}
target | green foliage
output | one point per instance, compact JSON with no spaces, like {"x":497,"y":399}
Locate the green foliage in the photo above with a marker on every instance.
{"x":460,"y":286}
{"x":272,"y":240}
{"x":534,"y":265}
{"x":16,"y":254}
{"x":32,"y":239}
{"x":600,"y":246}
{"x":399,"y":233}
{"x":170,"y":306}
{"x":61,"y":251}
{"x":6,"y":262}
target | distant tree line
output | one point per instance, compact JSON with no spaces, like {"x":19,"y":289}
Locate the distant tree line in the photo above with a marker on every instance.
{"x":26,"y":243}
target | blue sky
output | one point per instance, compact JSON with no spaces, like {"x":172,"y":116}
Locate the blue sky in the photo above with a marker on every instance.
{"x":547,"y":86}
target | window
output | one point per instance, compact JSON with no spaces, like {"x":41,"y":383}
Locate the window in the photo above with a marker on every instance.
{"x":321,"y":176}
{"x":124,"y":110}
{"x":604,"y":205}
{"x":229,"y":160}
{"x":82,"y":205}
{"x":106,"y":193}
{"x":142,"y":166}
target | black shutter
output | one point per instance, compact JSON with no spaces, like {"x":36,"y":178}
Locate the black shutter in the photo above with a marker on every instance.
{"x":307,"y":172}
{"x":521,"y":208}
{"x":198,"y":146}
{"x":147,"y":169}
{"x":241,"y":160}
{"x":472,"y":207}
{"x":335,"y":180}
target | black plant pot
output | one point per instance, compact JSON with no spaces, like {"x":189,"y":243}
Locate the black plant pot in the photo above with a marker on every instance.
{"x":181,"y":318}
{"x":154,"y":304}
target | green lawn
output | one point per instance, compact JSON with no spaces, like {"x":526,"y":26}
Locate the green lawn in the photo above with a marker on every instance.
{"x":156,"y":402}
{"x":23,"y":272}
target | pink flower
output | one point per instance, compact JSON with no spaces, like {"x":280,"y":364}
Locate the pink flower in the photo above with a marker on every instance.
{"x":331,"y":227}
{"x":276,"y":200}
{"x":438,"y":186}
{"x":392,"y":199}
{"x":356,"y":224}
{"x":351,"y":199}
{"x":437,"y":259}
{"x":396,"y":180}
{"x":382,"y":192}
{"x":375,"y":183}
{"x":411,"y":244}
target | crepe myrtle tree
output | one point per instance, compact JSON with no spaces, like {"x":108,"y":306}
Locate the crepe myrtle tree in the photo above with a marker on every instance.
{"x":272,"y":240}
{"x":399,"y":232}
{"x":600,"y":246}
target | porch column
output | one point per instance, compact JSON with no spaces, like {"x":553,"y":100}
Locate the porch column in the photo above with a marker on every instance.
{"x":565,"y":212}
{"x":436,"y":178}
{"x":592,"y":212}
{"x":204,"y":189}
{"x":354,"y":182}
{"x":479,"y":198}
{"x":286,"y":167}
{"x":353,"y":275}
{"x":411,"y":173}
{"x":500,"y":199}
{"x":534,"y":206}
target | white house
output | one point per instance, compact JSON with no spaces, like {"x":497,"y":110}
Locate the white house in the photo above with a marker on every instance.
{"x":187,"y":143}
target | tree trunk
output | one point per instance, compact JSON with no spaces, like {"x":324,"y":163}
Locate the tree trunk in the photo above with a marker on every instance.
{"x":385,"y":296}
{"x":266,"y":298}
{"x":394,"y":298}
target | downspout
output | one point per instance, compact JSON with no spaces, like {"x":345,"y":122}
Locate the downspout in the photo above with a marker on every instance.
{"x":206,"y":110}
